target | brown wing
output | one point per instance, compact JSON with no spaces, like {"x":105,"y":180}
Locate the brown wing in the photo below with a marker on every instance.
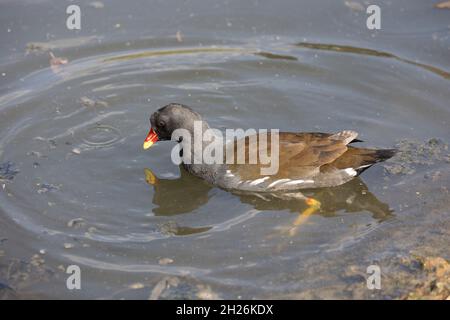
{"x":359,"y":159}
{"x":300,"y":154}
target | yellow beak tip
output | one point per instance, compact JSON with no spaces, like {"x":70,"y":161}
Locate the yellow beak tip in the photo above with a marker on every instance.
{"x":147,"y":145}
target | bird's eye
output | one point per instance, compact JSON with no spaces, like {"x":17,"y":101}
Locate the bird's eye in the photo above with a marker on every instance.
{"x":161,"y":124}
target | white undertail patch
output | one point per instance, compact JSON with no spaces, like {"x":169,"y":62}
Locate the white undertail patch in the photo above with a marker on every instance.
{"x":351,"y":172}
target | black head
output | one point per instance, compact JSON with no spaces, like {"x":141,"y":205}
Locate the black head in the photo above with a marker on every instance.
{"x":171,"y":117}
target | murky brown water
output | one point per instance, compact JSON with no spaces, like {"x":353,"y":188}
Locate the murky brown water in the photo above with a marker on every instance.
{"x":75,"y":176}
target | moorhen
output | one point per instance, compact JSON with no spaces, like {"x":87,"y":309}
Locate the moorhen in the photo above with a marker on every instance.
{"x":305,"y":160}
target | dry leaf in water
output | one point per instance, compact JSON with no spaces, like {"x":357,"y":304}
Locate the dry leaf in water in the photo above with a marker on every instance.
{"x":355,"y":6}
{"x":443,"y":5}
{"x":179,"y":36}
{"x":55,"y":62}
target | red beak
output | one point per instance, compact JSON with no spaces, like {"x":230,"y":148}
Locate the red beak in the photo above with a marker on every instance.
{"x":152,"y":137}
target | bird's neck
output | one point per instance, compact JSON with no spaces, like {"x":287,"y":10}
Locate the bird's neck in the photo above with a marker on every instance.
{"x":200,"y":136}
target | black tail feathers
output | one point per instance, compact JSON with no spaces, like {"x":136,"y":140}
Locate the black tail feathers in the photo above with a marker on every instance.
{"x":384,"y":154}
{"x":377,"y":156}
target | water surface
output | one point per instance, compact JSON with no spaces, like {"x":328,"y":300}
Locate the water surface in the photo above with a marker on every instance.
{"x":75,"y":180}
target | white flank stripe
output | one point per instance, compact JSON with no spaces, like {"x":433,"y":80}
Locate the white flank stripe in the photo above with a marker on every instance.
{"x":258,"y":181}
{"x":294,"y":182}
{"x":277,"y":182}
{"x":298,"y":182}
{"x":260,"y":196}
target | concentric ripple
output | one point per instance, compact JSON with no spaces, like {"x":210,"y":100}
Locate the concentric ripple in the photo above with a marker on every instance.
{"x":80,"y":159}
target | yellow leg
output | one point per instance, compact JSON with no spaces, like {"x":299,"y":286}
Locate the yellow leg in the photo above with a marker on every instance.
{"x":313,"y":206}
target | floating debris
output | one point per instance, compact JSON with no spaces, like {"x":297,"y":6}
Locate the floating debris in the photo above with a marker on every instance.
{"x":205,"y":293}
{"x":92,"y":229}
{"x":179,"y":36}
{"x":165,"y":261}
{"x":52,"y":143}
{"x":68,"y":245}
{"x":7,"y":172}
{"x":97,"y":4}
{"x":434,"y":176}
{"x":76,"y":223}
{"x":36,"y":154}
{"x":20,"y":275}
{"x":275,"y":56}
{"x":176,"y":288}
{"x":76,"y":151}
{"x":47,"y":187}
{"x":163,"y":285}
{"x":55,"y":62}
{"x":172,"y":228}
{"x":37,"y":260}
{"x":59,"y":44}
{"x":136,"y":286}
{"x":88,"y":102}
{"x":355,"y":6}
{"x":443,"y":5}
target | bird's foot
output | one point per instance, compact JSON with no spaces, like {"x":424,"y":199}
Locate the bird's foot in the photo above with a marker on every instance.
{"x":313,"y":206}
{"x":150,"y":177}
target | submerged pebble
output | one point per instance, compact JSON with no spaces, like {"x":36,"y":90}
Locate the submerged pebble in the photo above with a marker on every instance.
{"x":436,"y":282}
{"x":37,"y":260}
{"x":162,"y":286}
{"x":171,"y":287}
{"x":205,"y":293}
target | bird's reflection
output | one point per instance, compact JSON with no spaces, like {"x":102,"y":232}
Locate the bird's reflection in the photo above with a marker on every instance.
{"x":187,"y":193}
{"x":176,"y":196}
{"x":351,"y":197}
